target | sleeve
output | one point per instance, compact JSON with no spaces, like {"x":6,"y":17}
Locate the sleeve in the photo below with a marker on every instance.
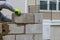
{"x":9,"y":6}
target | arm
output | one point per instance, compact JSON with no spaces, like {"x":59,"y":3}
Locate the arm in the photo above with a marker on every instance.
{"x":9,"y":6}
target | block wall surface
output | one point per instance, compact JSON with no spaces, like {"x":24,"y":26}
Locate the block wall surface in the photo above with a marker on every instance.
{"x":24,"y":27}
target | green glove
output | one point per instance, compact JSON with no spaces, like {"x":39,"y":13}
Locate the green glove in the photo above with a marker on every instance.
{"x":17,"y":12}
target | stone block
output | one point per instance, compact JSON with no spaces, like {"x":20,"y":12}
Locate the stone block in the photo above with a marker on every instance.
{"x":38,"y":18}
{"x":56,"y":16}
{"x":16,"y":29}
{"x":31,"y":2}
{"x":24,"y":18}
{"x":38,"y":37}
{"x":24,"y":37}
{"x":9,"y":37}
{"x":47,"y":16}
{"x":34,"y":28}
{"x":33,"y":8}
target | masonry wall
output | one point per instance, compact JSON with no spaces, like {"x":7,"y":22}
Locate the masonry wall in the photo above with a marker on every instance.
{"x":29,"y":26}
{"x":24,"y":27}
{"x":52,"y":16}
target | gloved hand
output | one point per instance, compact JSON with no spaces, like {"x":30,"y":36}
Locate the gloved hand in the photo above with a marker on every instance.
{"x":17,"y":12}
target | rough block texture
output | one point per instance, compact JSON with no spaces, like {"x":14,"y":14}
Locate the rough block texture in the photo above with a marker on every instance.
{"x":31,"y":2}
{"x":16,"y":28}
{"x":38,"y":18}
{"x":33,"y":8}
{"x":9,"y":37}
{"x":47,"y":16}
{"x":5,"y":28}
{"x":24,"y":18}
{"x":34,"y":28}
{"x":38,"y":37}
{"x":37,"y":2}
{"x":24,"y":37}
{"x":55,"y":16}
{"x":24,"y":27}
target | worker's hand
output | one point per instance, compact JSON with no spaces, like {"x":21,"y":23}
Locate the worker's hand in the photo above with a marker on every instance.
{"x":17,"y":12}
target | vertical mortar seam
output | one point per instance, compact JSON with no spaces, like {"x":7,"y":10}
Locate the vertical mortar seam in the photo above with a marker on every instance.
{"x":15,"y":37}
{"x":33,"y":37}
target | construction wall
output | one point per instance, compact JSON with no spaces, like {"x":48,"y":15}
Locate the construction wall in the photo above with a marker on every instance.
{"x":25,"y":27}
{"x":29,"y":25}
{"x":52,"y":30}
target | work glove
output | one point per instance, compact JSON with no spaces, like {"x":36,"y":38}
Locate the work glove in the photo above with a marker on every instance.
{"x":17,"y":12}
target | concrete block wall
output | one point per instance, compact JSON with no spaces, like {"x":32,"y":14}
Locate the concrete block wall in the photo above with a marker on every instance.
{"x":28,"y":18}
{"x":51,"y":15}
{"x":24,"y":27}
{"x":56,"y":16}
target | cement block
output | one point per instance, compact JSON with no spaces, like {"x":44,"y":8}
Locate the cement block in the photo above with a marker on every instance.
{"x":47,"y":16}
{"x":33,"y":8}
{"x":38,"y":37}
{"x":37,"y":2}
{"x":24,"y":37}
{"x":9,"y":37}
{"x":56,"y":16}
{"x":34,"y":28}
{"x":14,"y":29}
{"x":24,"y":18}
{"x":38,"y":18}
{"x":31,"y":2}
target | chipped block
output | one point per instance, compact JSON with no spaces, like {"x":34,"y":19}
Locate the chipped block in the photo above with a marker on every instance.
{"x":9,"y":37}
{"x":5,"y":28}
{"x":14,"y":29}
{"x":24,"y":18}
{"x":34,"y":28}
{"x":38,"y":18}
{"x":24,"y":37}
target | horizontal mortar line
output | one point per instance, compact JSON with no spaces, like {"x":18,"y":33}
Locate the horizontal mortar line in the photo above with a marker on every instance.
{"x":18,"y":23}
{"x":13,"y":34}
{"x":33,"y":33}
{"x":23,"y":34}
